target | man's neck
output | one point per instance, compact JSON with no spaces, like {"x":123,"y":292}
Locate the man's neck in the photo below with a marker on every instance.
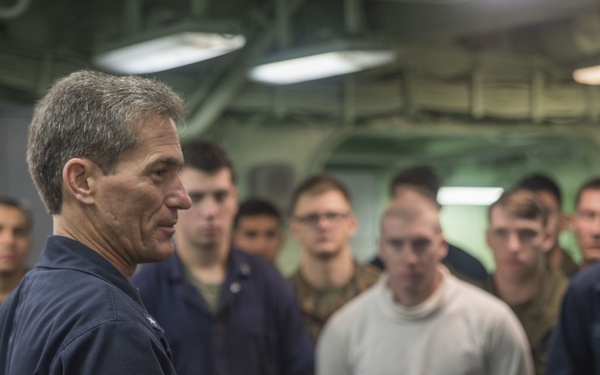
{"x":208,"y":264}
{"x":516,"y":291}
{"x":9,"y":281}
{"x":326,"y":273}
{"x":555,"y":258}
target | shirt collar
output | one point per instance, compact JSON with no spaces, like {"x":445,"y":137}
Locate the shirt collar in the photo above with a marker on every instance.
{"x":65,"y":253}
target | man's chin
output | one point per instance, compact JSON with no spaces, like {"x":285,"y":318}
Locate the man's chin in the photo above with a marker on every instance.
{"x":326,"y":253}
{"x":592,"y":254}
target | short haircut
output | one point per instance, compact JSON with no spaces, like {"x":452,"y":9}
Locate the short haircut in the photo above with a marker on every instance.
{"x":207,"y":157}
{"x":256,"y":207}
{"x":539,"y":182}
{"x":592,"y":184}
{"x":402,"y":191}
{"x":523,"y":204}
{"x":91,"y":115}
{"x":318,"y":184}
{"x":420,"y":175}
{"x":411,"y":211}
{"x":21,"y":206}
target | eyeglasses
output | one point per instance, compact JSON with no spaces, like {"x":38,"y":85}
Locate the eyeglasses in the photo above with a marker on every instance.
{"x":314,"y":219}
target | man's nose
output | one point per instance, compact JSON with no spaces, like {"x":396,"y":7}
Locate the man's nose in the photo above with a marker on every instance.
{"x":514,"y":243}
{"x":179,"y":199}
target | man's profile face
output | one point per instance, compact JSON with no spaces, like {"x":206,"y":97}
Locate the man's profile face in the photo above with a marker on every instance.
{"x":15,"y":242}
{"x":323,"y":223}
{"x":136,"y":205}
{"x":259,"y":235}
{"x":207,"y":225}
{"x":586,"y":224}
{"x":518,"y":244}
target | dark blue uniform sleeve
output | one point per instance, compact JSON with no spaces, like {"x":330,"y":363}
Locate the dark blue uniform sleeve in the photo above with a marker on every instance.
{"x":570,"y":352}
{"x":114,"y":348}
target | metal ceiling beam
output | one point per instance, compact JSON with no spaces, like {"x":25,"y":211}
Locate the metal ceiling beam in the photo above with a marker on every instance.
{"x":216,"y":103}
{"x":414,"y":22}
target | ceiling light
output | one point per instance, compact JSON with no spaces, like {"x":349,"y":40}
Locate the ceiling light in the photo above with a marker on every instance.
{"x":166,"y":52}
{"x":587,"y":76}
{"x":476,"y":196}
{"x":321,"y":61}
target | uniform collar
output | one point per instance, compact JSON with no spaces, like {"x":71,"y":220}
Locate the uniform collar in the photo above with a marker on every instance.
{"x":237,"y":266}
{"x":65,"y":253}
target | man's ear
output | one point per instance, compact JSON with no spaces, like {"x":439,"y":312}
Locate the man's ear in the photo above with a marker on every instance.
{"x":488,"y":237}
{"x":443,"y":248}
{"x":380,"y":251}
{"x":548,"y":240}
{"x":78,"y":179}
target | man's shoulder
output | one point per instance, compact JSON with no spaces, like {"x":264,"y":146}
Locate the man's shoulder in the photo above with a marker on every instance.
{"x":360,"y":307}
{"x":585,"y":284}
{"x":365,"y":275}
{"x":472,"y":298}
{"x":465,"y":264}
{"x":63,"y":298}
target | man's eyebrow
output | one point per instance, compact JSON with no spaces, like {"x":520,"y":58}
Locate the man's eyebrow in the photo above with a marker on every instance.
{"x":169,"y":162}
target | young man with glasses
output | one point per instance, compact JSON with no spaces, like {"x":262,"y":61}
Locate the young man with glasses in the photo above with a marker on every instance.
{"x":328,"y":276}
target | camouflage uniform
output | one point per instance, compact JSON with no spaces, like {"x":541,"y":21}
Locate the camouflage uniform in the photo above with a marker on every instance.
{"x":540,"y":314}
{"x":318,"y":305}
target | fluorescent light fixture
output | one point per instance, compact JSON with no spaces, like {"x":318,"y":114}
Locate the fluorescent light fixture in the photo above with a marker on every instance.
{"x":475,"y":196}
{"x":321,"y":61}
{"x":167,"y":52}
{"x":587,"y":76}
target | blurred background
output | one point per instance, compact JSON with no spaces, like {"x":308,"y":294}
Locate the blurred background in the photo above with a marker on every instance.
{"x":482,"y":90}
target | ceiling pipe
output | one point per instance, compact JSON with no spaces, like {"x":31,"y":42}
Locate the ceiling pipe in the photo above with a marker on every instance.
{"x":15,"y":11}
{"x":214,"y":105}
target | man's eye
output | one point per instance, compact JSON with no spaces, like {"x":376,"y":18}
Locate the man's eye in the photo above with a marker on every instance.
{"x":195,"y":198}
{"x":527,"y":235}
{"x":421,"y":245}
{"x":160,"y":172}
{"x":220,"y":197}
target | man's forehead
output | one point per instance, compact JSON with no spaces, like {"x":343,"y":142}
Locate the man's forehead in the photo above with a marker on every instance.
{"x":259,"y":220}
{"x":397,"y":226}
{"x":589,"y":198}
{"x":12,"y":212}
{"x":500,"y":217}
{"x":335,"y":198}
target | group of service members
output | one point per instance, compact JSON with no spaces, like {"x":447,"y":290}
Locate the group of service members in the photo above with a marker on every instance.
{"x":212,"y":302}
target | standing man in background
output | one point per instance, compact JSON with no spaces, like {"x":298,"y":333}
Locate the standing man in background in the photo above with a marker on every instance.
{"x":520,"y":238}
{"x":15,"y":243}
{"x":549,"y":193}
{"x":586,"y":221}
{"x":257,"y":229}
{"x":223,"y":311}
{"x":419,"y":318}
{"x":104,"y":154}
{"x":327,"y":276}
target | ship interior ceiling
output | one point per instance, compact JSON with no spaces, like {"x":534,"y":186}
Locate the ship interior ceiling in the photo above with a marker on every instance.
{"x":480,"y":89}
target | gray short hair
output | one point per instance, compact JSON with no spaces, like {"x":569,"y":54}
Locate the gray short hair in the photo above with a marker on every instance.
{"x":92,"y":115}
